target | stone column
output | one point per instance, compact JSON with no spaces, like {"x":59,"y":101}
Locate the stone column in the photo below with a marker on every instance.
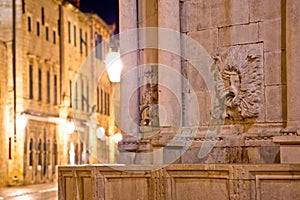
{"x":129,"y":105}
{"x":170,"y":98}
{"x":289,"y":140}
{"x":293,"y":62}
{"x":129,"y":101}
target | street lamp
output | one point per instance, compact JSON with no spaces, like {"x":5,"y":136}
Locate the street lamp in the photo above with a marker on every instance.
{"x":70,"y":127}
{"x":100,"y":133}
{"x":114,"y":66}
{"x":21,"y":121}
{"x":117,"y":137}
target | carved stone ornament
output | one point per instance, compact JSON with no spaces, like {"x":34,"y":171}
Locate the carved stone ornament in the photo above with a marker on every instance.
{"x":239,"y":78}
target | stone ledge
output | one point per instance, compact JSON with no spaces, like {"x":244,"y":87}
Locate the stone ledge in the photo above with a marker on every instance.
{"x":175,"y":181}
{"x":285,"y":140}
{"x":289,"y":148}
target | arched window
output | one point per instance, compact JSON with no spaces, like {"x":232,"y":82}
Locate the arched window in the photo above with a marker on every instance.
{"x":31,"y":152}
{"x":45,"y":158}
{"x":48,"y":152}
{"x":81,"y":153}
{"x":40,"y":152}
{"x":54,"y":153}
{"x":76,"y":153}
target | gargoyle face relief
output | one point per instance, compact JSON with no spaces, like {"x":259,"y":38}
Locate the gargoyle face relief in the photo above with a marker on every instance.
{"x":238,"y":83}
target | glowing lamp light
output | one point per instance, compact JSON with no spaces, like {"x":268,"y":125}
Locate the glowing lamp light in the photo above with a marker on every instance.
{"x":114,"y":66}
{"x":70,"y":127}
{"x":100,"y":133}
{"x":21,"y":121}
{"x":117,"y":138}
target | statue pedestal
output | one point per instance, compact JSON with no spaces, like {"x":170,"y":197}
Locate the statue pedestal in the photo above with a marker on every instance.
{"x":289,"y":148}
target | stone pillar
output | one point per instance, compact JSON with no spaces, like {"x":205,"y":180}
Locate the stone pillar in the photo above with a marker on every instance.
{"x":130,"y":101}
{"x":129,"y":105}
{"x":289,"y":140}
{"x":293,"y":62}
{"x":170,"y":93}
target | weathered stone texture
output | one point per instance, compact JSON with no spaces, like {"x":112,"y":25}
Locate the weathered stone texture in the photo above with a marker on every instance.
{"x":218,"y":13}
{"x":3,"y":96}
{"x":273,"y":68}
{"x":216,"y":181}
{"x":188,"y":16}
{"x":293,"y":60}
{"x":270,"y":35}
{"x":274,"y":102}
{"x":239,"y":34}
{"x":289,"y":147}
{"x":243,"y":23}
{"x":208,"y":39}
{"x":272,"y":27}
{"x":261,"y":10}
{"x":205,"y":105}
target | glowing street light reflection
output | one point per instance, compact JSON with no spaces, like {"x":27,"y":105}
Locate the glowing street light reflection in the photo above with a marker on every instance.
{"x":70,"y":127}
{"x":21,"y":121}
{"x":100,"y":133}
{"x":117,"y":138}
{"x":114,"y":66}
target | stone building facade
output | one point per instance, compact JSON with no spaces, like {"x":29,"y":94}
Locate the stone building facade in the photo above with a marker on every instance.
{"x":253,"y":59}
{"x":43,"y":92}
{"x":3,"y":110}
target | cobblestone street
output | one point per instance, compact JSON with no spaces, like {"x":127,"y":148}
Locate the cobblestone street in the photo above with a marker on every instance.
{"x":33,"y":192}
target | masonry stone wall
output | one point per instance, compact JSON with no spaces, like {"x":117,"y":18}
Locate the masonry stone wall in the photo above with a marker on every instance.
{"x":3,"y":112}
{"x":182,"y":182}
{"x":223,"y":25}
{"x":253,"y":40}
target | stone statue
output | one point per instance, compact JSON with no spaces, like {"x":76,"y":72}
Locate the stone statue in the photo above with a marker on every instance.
{"x":148,"y":108}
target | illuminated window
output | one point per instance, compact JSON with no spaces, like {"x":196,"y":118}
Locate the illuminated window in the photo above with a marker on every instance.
{"x":87,"y":97}
{"x":70,"y":92}
{"x":40,"y":152}
{"x":55,"y":90}
{"x":30,"y":82}
{"x":45,"y":154}
{"x":102,"y":102}
{"x":29,"y":23}
{"x":81,"y":40}
{"x":82,"y":96}
{"x":69,"y":32}
{"x":31,"y":152}
{"x":48,"y":87}
{"x":38,"y":28}
{"x":47,"y":33}
{"x":48,"y":152}
{"x":43,"y":16}
{"x":86,"y":44}
{"x":76,"y":153}
{"x":75,"y":36}
{"x":105,"y":103}
{"x":108,"y":105}
{"x":23,"y":6}
{"x":98,"y":45}
{"x":54,"y":37}
{"x":76,"y":95}
{"x":54,"y":152}
{"x":98,"y":99}
{"x":39,"y":84}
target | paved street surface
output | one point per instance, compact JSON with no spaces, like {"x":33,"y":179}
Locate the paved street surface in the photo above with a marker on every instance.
{"x":31,"y":192}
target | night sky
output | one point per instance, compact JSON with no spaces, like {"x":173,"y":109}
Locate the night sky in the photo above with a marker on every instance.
{"x":107,"y":9}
